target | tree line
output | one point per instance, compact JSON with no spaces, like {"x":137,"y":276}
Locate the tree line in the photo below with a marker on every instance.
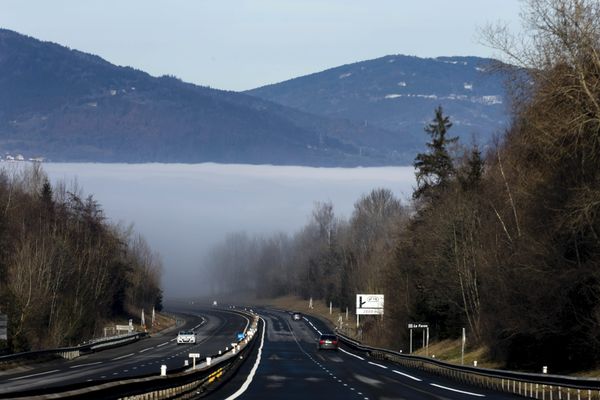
{"x":503,"y":240}
{"x":64,"y":269}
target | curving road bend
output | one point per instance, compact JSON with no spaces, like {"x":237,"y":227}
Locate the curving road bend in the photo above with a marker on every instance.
{"x":215,"y":329}
{"x":289,"y":366}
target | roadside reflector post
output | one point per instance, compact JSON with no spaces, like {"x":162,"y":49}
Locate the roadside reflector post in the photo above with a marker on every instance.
{"x":544,"y":369}
{"x":163,"y":370}
{"x":208,"y":361}
{"x":475,"y":363}
{"x":330,"y":307}
{"x":186,"y":363}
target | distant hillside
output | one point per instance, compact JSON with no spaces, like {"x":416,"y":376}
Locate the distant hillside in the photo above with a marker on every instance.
{"x":399,"y":93}
{"x":66,"y":105}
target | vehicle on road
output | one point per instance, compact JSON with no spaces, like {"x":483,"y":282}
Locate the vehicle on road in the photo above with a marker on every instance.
{"x":186,"y":337}
{"x":328,"y":342}
{"x":296,"y":316}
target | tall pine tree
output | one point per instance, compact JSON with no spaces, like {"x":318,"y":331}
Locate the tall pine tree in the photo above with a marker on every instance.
{"x":434,"y":168}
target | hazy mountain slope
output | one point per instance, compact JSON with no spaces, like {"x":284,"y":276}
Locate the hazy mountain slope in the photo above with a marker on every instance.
{"x":399,"y":93}
{"x":67,"y":105}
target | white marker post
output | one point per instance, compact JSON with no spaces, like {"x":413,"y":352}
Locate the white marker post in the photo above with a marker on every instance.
{"x":193,"y":356}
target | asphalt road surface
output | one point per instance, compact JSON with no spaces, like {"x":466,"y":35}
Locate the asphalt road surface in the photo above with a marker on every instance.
{"x":287,"y":365}
{"x":215,"y":329}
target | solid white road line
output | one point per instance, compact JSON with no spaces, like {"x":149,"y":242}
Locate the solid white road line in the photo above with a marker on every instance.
{"x":457,"y":391}
{"x":407,"y":375}
{"x":248,"y":381}
{"x":120,"y":358}
{"x":29,"y":376}
{"x":86,"y":365}
{"x":351,"y":354}
{"x":149,"y":348}
{"x":378,"y":365}
{"x":162,"y":344}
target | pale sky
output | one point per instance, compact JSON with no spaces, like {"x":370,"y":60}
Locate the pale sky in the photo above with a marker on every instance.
{"x":242,"y":44}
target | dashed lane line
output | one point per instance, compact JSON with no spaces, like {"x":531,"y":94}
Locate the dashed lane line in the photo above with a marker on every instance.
{"x":32,"y":375}
{"x":377,"y":365}
{"x":407,"y":375}
{"x":457,"y":391}
{"x":351,"y":354}
{"x":86,"y":365}
{"x":122,"y":357}
{"x":149,"y":348}
{"x":162,"y":344}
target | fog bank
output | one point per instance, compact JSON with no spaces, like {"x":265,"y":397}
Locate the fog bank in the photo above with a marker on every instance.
{"x":185,"y":209}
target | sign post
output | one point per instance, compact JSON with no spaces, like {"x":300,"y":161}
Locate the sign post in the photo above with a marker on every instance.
{"x":3,"y":327}
{"x":193,"y":356}
{"x":425,"y":328}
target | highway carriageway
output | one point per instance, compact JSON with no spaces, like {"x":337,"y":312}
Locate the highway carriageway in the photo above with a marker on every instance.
{"x":216,"y":329}
{"x":287,"y":365}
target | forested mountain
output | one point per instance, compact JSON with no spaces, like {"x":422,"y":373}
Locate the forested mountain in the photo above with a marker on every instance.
{"x":397,"y":93}
{"x":66,"y":105}
{"x":503,"y":242}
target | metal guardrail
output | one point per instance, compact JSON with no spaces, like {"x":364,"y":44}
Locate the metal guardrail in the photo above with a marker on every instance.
{"x":181,"y":383}
{"x":537,"y":386}
{"x":70,"y":353}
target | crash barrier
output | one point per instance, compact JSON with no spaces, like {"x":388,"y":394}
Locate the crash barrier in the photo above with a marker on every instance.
{"x":180,"y":383}
{"x":73,"y":352}
{"x":531,"y":385}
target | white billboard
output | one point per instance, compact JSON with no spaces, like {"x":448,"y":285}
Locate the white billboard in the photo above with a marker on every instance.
{"x":369,"y":304}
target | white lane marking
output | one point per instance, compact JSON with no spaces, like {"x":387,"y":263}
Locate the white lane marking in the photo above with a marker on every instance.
{"x":351,"y":354}
{"x":120,"y":358}
{"x":162,"y":344}
{"x":172,"y":339}
{"x":407,"y":375}
{"x":378,"y":365}
{"x":29,"y":376}
{"x":457,"y":391}
{"x":149,"y":348}
{"x":248,"y":381}
{"x":85,"y":365}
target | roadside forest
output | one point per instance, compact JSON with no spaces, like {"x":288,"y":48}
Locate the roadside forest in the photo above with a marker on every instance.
{"x":65,"y":271}
{"x":502,"y":240}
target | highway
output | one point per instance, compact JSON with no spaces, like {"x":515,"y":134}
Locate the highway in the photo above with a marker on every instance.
{"x":215,"y":329}
{"x":287,"y":365}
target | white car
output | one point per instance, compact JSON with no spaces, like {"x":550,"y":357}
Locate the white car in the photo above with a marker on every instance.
{"x":186,"y":337}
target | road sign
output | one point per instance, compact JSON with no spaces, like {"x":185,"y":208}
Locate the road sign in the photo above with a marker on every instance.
{"x":241,"y":336}
{"x":418,"y":326}
{"x":3,"y":327}
{"x":194,"y":355}
{"x":369,"y":301}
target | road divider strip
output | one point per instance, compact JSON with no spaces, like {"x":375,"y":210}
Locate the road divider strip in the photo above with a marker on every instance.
{"x":250,"y":377}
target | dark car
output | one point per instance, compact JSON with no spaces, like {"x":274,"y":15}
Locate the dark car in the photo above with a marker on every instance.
{"x":328,"y":342}
{"x":296,"y":316}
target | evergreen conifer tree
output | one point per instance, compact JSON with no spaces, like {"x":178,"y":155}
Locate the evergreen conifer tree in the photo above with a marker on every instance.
{"x":434,"y":168}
